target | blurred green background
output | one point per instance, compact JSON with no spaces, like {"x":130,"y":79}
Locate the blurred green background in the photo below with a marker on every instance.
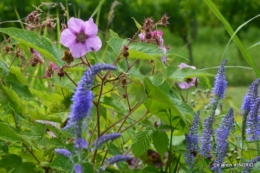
{"x":194,"y":32}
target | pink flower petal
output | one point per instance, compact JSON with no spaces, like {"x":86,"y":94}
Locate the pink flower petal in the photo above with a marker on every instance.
{"x":67,"y":38}
{"x":141,"y":36}
{"x":184,"y":85}
{"x":78,"y":50}
{"x":93,"y":44}
{"x":183,"y":65}
{"x":156,"y":33}
{"x":91,"y":28}
{"x":75,"y":25}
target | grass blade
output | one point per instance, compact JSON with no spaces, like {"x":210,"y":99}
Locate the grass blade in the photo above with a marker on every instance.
{"x":231,"y":32}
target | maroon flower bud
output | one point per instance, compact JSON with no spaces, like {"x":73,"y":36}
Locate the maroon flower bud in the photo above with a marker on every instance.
{"x":60,"y":72}
{"x":125,"y":54}
{"x":164,"y":20}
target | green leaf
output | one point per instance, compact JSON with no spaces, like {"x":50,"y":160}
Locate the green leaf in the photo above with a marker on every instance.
{"x":116,"y":44}
{"x":41,"y":44}
{"x":230,"y":30}
{"x":7,"y":133}
{"x":138,"y":91}
{"x":136,"y":23}
{"x":145,"y":51}
{"x":10,"y":162}
{"x":158,"y":102}
{"x":87,"y":167}
{"x":113,"y":34}
{"x":141,"y":142}
{"x":160,"y":141}
{"x":181,"y":74}
{"x":13,"y":99}
{"x":25,"y":167}
{"x":21,"y":89}
{"x":4,"y":70}
{"x":61,"y":163}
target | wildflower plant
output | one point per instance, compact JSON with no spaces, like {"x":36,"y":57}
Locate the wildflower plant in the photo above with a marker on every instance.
{"x":74,"y":100}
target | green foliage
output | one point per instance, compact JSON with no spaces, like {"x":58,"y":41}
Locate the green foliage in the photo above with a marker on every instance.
{"x":230,"y":30}
{"x":160,"y":141}
{"x":141,"y":142}
{"x":42,"y":44}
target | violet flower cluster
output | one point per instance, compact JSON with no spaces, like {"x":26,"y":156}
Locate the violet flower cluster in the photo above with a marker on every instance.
{"x":250,"y":97}
{"x":82,"y":103}
{"x":115,"y":159}
{"x":220,"y":84}
{"x":192,"y":141}
{"x":250,"y":112}
{"x":206,"y":137}
{"x":251,"y":163}
{"x":221,"y":138}
{"x":253,"y":122}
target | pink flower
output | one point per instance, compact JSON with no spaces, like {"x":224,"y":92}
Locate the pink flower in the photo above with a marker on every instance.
{"x":188,"y":81}
{"x":163,"y":58}
{"x":157,"y":33}
{"x":141,"y":36}
{"x":80,"y":37}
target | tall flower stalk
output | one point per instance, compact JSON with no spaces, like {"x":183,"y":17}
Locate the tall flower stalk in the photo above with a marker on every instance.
{"x":221,"y":139}
{"x":192,"y":141}
{"x":219,"y":90}
{"x":80,"y":109}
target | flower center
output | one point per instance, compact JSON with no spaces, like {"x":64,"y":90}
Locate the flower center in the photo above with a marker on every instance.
{"x":81,"y":37}
{"x":188,"y":80}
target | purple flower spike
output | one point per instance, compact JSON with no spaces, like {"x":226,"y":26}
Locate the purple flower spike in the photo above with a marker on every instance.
{"x":82,"y":98}
{"x":220,"y":84}
{"x":78,"y":169}
{"x":115,"y":159}
{"x":251,"y":96}
{"x":206,"y":137}
{"x":105,"y":138}
{"x":80,"y":143}
{"x":118,"y":158}
{"x":220,"y":158}
{"x":221,"y":138}
{"x":80,"y":37}
{"x":192,"y":144}
{"x":252,"y":122}
{"x":63,"y":152}
{"x":224,"y":129}
{"x":251,"y":163}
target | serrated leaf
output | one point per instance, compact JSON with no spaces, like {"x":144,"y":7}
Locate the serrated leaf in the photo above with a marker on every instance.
{"x":13,"y":99}
{"x":181,"y":74}
{"x":4,"y":70}
{"x":141,"y":142}
{"x":113,"y":34}
{"x":87,"y":167}
{"x":10,"y":161}
{"x":160,"y":141}
{"x":116,"y":44}
{"x":21,"y":89}
{"x":61,"y":163}
{"x":41,"y":44}
{"x":158,"y":100}
{"x":64,"y":83}
{"x":7,"y":133}
{"x":137,"y":90}
{"x":145,"y":51}
{"x":25,"y":167}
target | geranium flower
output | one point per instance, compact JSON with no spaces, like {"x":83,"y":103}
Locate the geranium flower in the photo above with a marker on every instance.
{"x":188,"y":81}
{"x":80,"y":37}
